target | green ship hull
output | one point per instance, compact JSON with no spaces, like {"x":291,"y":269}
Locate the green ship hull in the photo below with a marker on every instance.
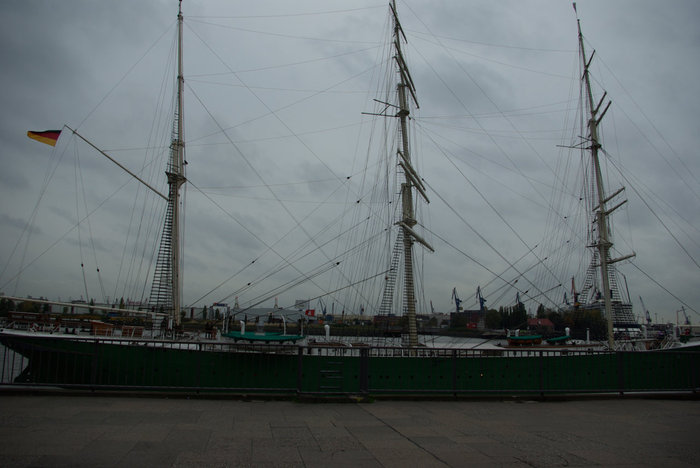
{"x":216,"y":367}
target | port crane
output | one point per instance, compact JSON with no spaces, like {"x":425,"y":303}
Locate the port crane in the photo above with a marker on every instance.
{"x":480,"y":298}
{"x":456,"y":300}
{"x":646,"y":311}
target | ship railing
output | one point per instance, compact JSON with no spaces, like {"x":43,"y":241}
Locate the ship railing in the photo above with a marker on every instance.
{"x":317,"y":349}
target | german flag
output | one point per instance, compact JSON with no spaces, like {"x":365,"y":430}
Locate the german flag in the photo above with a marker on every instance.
{"x":47,"y":136}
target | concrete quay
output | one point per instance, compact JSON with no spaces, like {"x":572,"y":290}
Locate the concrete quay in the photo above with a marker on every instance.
{"x":116,"y":431}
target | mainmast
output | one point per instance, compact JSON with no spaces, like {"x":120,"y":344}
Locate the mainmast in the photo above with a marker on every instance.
{"x":405,"y":88}
{"x":603,"y":242}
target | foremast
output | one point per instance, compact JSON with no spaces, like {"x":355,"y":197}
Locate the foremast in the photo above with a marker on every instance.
{"x":405,"y":88}
{"x":602,"y":243}
{"x":176,"y":174}
{"x":167,"y":280}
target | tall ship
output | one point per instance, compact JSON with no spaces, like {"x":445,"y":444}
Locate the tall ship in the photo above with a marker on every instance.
{"x":383,"y":270}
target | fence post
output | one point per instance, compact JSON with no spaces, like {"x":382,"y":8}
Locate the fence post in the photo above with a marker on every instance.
{"x":620,"y":373}
{"x":95,"y":359}
{"x":454,"y":373}
{"x":541,"y":363}
{"x":300,"y":355}
{"x":364,"y":371}
{"x":199,"y":367}
{"x":693,"y":359}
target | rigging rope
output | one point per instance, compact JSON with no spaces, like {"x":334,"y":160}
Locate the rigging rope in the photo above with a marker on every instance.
{"x":27,"y":230}
{"x":274,"y":113}
{"x":686,"y":170}
{"x":90,"y":235}
{"x":688,"y":254}
{"x":76,"y":170}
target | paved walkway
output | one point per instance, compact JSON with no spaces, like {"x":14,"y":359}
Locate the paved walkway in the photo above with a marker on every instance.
{"x":49,"y":430}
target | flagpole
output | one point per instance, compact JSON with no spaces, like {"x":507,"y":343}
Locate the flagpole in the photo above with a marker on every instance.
{"x":117,"y":163}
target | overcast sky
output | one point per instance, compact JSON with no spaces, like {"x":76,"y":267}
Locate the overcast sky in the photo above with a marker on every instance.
{"x":277,"y":144}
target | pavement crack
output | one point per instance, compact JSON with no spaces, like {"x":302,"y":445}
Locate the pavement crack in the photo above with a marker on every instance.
{"x":409,"y":439}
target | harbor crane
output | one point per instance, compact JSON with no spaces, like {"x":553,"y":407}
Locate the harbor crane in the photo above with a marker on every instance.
{"x":456,"y":300}
{"x":686,"y":322}
{"x":480,"y":298}
{"x":646,"y":311}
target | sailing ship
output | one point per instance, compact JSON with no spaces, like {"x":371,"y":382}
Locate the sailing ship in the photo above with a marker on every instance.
{"x":215,"y":365}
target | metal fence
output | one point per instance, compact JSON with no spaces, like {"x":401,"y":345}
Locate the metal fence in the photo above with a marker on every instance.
{"x":219,"y":367}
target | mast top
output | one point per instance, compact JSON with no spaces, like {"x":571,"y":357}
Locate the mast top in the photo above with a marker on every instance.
{"x":578,"y":20}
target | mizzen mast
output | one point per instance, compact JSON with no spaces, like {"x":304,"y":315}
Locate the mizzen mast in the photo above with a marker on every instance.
{"x":603,"y":243}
